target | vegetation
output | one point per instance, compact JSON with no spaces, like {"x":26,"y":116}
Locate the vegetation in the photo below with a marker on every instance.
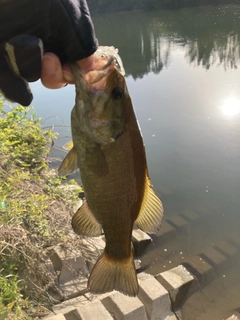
{"x":35,"y":212}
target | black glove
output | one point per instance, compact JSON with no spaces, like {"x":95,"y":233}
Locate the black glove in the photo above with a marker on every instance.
{"x":30,"y":27}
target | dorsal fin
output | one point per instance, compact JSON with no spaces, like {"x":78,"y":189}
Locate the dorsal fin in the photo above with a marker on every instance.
{"x":151,"y":212}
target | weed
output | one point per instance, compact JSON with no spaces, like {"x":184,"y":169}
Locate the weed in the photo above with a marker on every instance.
{"x":35,"y":213}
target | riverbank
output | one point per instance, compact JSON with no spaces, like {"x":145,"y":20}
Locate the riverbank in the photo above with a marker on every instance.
{"x":131,"y":5}
{"x":35,"y":215}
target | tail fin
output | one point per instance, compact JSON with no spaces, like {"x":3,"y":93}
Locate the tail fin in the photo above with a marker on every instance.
{"x":109,"y":274}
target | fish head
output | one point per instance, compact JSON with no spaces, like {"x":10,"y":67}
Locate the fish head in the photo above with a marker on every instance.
{"x":107,"y":116}
{"x":104,"y":101}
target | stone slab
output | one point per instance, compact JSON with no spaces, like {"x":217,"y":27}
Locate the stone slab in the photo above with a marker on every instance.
{"x":177,"y":221}
{"x":177,"y":281}
{"x":213,"y":257}
{"x":226,"y":249}
{"x":56,"y":317}
{"x":190,"y":215}
{"x":203,"y":210}
{"x":171,"y":316}
{"x":50,"y":315}
{"x":95,"y":246}
{"x":67,"y":261}
{"x":200,"y":268}
{"x":141,"y":241}
{"x":166,"y":230}
{"x":154,"y":297}
{"x":234,"y":317}
{"x":235,"y":241}
{"x":71,"y":304}
{"x":90,"y":311}
{"x":76,"y":284}
{"x":122,"y":307}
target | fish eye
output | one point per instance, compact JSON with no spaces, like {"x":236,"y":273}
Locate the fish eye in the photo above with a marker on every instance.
{"x":117,"y":93}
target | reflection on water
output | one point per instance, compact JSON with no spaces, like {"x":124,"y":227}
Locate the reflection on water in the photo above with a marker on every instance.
{"x":183,"y":76}
{"x":231,"y":107}
{"x":209,"y":35}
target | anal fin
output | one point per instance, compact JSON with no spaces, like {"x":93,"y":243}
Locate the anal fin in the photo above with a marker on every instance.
{"x":84,"y":222}
{"x":151,"y":212}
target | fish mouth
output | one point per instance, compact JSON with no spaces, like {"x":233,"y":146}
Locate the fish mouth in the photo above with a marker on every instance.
{"x":108,"y":60}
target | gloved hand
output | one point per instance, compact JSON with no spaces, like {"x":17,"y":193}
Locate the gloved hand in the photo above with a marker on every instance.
{"x":28,"y":28}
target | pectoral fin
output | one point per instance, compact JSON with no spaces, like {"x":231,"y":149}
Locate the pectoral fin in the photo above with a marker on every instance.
{"x":68,"y":145}
{"x":69,"y":164}
{"x":96,"y":161}
{"x":84,"y":222}
{"x":151,"y":212}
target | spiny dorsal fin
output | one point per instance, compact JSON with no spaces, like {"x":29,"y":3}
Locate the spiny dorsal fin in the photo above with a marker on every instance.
{"x":151,"y":212}
{"x":69,"y":164}
{"x":84,"y":222}
{"x":109,"y":274}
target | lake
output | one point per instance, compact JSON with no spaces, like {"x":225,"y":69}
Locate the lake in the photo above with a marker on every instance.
{"x":183,"y":74}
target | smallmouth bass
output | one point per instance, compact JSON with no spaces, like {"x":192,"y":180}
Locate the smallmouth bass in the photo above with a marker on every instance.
{"x":109,"y":151}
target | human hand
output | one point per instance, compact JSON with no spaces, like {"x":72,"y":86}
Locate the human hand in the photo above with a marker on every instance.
{"x":54,"y":75}
{"x":67,"y":34}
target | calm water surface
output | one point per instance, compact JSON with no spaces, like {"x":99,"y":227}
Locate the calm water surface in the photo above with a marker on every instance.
{"x":183,"y":74}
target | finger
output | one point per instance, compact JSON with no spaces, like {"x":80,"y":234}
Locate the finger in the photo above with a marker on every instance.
{"x":67,"y":74}
{"x":13,"y":87}
{"x":86,"y":65}
{"x":52,"y":74}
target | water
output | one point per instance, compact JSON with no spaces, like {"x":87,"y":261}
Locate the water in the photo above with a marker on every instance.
{"x":183,"y":76}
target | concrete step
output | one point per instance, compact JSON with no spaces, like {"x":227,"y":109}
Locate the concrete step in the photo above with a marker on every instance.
{"x":91,"y":311}
{"x":122,"y":307}
{"x":177,"y":281}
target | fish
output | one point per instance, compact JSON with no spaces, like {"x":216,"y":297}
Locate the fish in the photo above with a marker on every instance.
{"x":108,"y":149}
